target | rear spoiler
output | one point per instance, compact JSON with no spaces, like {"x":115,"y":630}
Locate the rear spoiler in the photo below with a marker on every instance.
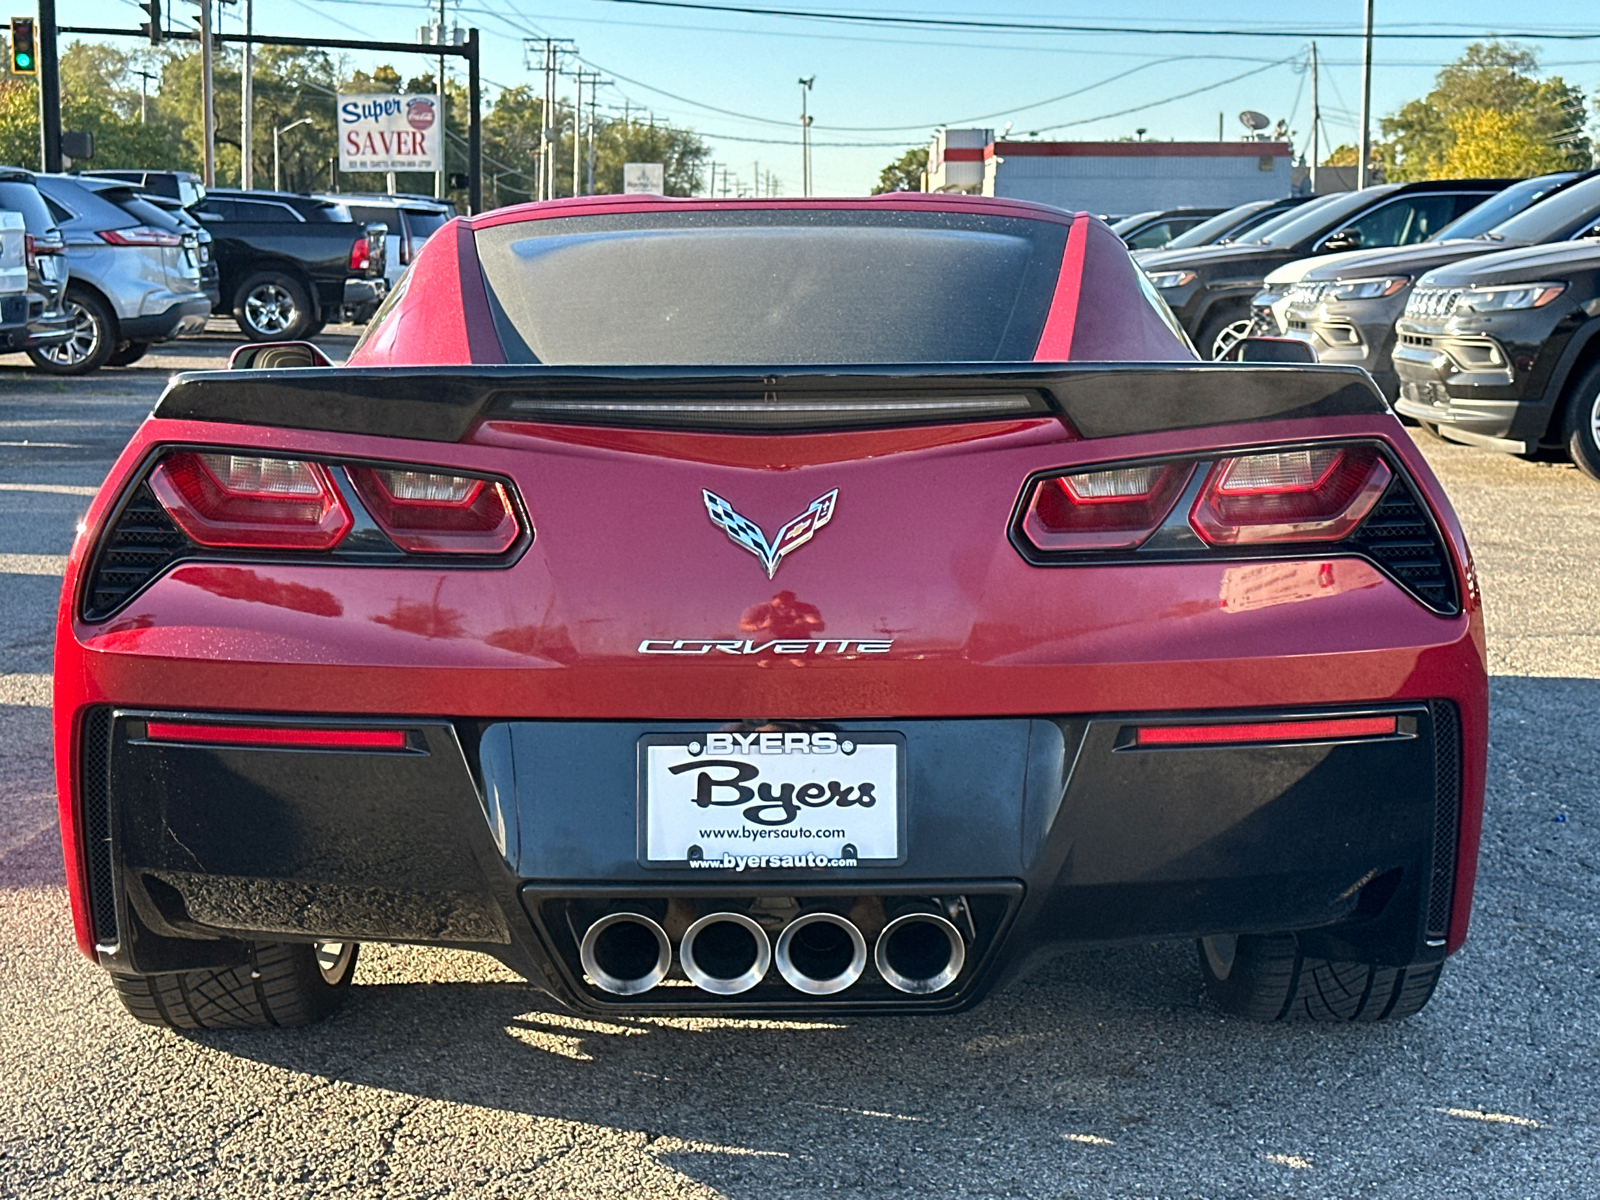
{"x":443,"y":404}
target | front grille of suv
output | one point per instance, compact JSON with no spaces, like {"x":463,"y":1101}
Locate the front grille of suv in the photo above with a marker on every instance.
{"x":1432,"y":302}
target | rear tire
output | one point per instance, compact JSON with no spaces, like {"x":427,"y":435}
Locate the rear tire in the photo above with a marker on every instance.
{"x":272,"y":307}
{"x":283,"y":985}
{"x":1580,"y":431}
{"x":1265,"y":977}
{"x":129,"y":354}
{"x":1221,"y":330}
{"x":94,"y":337}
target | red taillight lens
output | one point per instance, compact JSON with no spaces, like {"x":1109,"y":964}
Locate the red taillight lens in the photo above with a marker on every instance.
{"x":141,"y":235}
{"x":238,"y":500}
{"x":1105,"y":509}
{"x":30,"y":251}
{"x":428,"y":513}
{"x":360,"y":255}
{"x":1318,"y":494}
{"x":291,"y":737}
{"x":1330,"y":729}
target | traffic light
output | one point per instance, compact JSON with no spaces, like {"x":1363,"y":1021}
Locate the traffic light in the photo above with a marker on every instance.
{"x":152,"y":27}
{"x":24,"y":52}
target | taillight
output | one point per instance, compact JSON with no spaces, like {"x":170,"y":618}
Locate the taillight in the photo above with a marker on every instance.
{"x":140,"y":235}
{"x":360,"y":254}
{"x":239,"y":500}
{"x":1317,"y":493}
{"x":428,"y":513}
{"x":30,"y":251}
{"x":1106,"y":509}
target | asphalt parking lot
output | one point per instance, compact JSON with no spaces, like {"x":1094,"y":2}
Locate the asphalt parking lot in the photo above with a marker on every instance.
{"x":1104,"y":1075}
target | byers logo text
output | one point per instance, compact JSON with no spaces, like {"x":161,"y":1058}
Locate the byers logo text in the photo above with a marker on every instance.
{"x":724,"y":780}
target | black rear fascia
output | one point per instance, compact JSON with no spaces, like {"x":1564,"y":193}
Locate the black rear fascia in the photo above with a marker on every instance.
{"x":1174,"y":541}
{"x":365,"y":544}
{"x":444,"y":404}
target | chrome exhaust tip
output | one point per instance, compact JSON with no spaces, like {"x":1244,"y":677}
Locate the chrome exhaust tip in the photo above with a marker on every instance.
{"x":820,"y":953}
{"x":725,"y":953}
{"x":920,"y":953}
{"x":625,"y":953}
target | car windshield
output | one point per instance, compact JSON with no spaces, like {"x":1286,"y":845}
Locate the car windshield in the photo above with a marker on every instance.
{"x":1573,"y":208}
{"x":190,"y":193}
{"x":771,"y":287}
{"x":1126,"y":223}
{"x":1502,"y":207}
{"x":1214,"y":227}
{"x":1311,"y":219}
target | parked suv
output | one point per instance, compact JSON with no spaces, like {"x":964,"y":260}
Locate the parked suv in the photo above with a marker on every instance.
{"x":182,"y":186}
{"x":1152,"y":230}
{"x":1228,"y":226}
{"x":45,"y":320}
{"x":1503,"y":351}
{"x":135,"y":275}
{"x":1210,"y":288}
{"x":1346,"y":305}
{"x":285,"y":259}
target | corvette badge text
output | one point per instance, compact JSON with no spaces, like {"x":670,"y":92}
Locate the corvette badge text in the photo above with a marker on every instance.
{"x":694,"y":646}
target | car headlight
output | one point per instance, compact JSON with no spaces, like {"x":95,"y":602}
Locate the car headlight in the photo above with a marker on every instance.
{"x":1269,"y":295}
{"x":1165,"y":280}
{"x":1366,"y":289}
{"x":1501,"y":299}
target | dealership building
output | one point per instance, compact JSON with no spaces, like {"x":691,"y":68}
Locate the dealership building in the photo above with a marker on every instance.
{"x":1109,"y":177}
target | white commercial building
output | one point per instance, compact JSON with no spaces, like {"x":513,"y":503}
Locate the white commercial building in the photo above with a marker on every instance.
{"x":1109,"y":177}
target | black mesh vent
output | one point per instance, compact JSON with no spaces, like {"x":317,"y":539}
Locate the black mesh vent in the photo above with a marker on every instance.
{"x":95,"y":796}
{"x":137,"y":548}
{"x":1400,"y":537}
{"x":1447,"y":803}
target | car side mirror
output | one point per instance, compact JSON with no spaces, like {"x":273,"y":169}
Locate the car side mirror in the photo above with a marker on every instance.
{"x":272,"y":356}
{"x":1343,"y":239}
{"x":1270,"y":350}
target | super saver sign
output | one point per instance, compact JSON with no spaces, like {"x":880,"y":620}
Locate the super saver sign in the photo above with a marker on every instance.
{"x":389,"y":133}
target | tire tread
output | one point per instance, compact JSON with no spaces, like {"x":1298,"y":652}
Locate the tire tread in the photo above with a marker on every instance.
{"x":280,"y":986}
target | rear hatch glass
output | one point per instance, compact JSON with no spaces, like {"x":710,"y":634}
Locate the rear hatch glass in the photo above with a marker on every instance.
{"x":771,"y":286}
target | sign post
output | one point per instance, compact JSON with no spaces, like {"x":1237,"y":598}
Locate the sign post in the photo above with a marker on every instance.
{"x":389,"y":133}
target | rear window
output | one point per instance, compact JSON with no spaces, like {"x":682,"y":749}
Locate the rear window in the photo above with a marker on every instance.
{"x":22,"y":197}
{"x":143,"y":211}
{"x":775,"y":287}
{"x":422,"y":223}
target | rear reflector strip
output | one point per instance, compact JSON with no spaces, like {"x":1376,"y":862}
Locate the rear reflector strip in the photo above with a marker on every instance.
{"x":276,"y":735}
{"x":1268,"y":731}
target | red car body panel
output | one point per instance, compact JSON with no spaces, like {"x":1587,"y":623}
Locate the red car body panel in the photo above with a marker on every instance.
{"x":918,"y":555}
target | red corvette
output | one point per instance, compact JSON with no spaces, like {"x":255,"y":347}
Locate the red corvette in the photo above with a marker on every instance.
{"x":769,"y":607}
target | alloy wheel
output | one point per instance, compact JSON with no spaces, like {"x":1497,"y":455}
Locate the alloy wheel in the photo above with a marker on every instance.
{"x":1230,"y":335}
{"x":270,"y":308}
{"x":333,"y":959}
{"x":83,"y":343}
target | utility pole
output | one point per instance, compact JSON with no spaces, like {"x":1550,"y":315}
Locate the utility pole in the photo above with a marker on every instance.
{"x":144,"y":95}
{"x":439,"y":179}
{"x":1363,"y":168}
{"x":550,"y":48}
{"x":49,"y":88}
{"x":1316,"y":120}
{"x":594,"y":102}
{"x":805,"y":136}
{"x":247,"y":104}
{"x":208,"y":97}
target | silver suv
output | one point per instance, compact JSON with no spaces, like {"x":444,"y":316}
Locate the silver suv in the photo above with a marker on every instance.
{"x":135,"y":275}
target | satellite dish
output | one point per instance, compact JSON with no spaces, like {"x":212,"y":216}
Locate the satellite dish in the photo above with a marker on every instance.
{"x":1252,"y":120}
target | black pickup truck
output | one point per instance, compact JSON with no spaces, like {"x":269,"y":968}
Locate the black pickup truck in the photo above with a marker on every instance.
{"x":290,"y":264}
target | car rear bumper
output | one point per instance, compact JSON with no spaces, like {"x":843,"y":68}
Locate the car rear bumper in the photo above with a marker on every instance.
{"x":512,"y":836}
{"x":185,"y":315}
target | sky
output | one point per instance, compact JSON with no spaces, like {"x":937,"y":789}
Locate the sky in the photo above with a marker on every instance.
{"x":882,"y":86}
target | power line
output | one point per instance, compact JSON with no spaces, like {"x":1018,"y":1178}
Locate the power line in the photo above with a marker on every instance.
{"x":1043,"y":27}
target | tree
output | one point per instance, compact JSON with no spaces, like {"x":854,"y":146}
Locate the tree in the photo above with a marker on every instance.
{"x":1429,"y":138}
{"x":95,"y":98}
{"x":904,"y":174}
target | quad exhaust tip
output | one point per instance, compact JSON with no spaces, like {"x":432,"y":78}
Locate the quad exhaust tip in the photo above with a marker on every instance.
{"x":919,"y":953}
{"x":725,"y":953}
{"x":625,"y":953}
{"x":820,"y":953}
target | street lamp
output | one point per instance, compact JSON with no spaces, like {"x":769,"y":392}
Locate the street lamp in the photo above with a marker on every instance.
{"x":277,"y":172}
{"x":805,"y":136}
